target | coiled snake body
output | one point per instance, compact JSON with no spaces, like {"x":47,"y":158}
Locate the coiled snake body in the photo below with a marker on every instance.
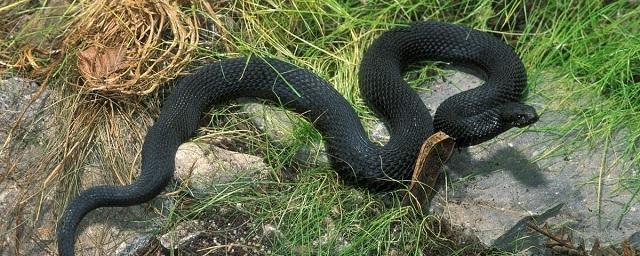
{"x":470,"y":117}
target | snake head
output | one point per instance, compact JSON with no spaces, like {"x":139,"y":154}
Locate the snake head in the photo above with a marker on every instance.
{"x":516,"y":114}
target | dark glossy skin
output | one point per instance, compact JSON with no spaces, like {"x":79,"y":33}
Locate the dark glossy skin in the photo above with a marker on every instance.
{"x":470,"y":117}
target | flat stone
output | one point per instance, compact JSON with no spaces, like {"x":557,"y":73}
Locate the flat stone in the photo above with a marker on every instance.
{"x":494,"y":186}
{"x":202,"y":166}
{"x":21,"y":99}
{"x":8,"y":198}
{"x":379,"y":133}
{"x":115,"y":231}
{"x":634,"y":240}
{"x":275,"y":122}
{"x":134,"y":247}
{"x":182,"y":234}
{"x":279,"y":126}
{"x":22,"y":136}
{"x":22,"y":103}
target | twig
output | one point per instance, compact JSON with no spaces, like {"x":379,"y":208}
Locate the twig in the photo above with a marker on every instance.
{"x":550,"y":236}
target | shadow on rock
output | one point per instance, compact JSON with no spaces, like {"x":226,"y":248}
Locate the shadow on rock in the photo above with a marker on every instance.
{"x":462,"y":164}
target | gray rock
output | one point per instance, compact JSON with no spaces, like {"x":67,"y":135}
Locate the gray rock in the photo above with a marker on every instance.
{"x":21,"y":99}
{"x":22,"y":133}
{"x":279,"y":125}
{"x":270,"y":231}
{"x":275,"y":122}
{"x":379,"y":133}
{"x":443,"y":87}
{"x":634,"y":240}
{"x":8,"y":198}
{"x":22,"y":104}
{"x":313,"y":153}
{"x":134,"y":247}
{"x":202,"y":166}
{"x":182,"y":234}
{"x":494,"y":186}
{"x":117,"y":231}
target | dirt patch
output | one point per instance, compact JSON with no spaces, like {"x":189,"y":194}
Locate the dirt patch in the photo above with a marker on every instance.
{"x":225,"y":231}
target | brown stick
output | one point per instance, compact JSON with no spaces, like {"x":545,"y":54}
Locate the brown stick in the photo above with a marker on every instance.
{"x":435,"y":151}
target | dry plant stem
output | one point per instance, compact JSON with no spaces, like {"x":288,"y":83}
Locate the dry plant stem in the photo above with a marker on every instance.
{"x":550,"y":236}
{"x":434,"y":153}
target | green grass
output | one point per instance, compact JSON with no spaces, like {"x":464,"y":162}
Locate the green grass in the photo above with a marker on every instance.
{"x":583,"y":58}
{"x":316,"y":215}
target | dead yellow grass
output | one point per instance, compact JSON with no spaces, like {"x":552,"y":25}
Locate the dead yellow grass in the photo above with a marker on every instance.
{"x":96,"y":56}
{"x":130,"y":47}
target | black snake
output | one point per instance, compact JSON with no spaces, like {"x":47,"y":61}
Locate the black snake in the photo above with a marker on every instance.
{"x":471,"y":117}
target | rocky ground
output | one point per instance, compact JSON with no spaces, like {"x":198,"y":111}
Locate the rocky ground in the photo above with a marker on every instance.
{"x":21,"y":138}
{"x":496,"y":185}
{"x":490,"y":190}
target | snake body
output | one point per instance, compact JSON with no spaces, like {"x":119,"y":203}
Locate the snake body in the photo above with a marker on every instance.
{"x":470,"y":117}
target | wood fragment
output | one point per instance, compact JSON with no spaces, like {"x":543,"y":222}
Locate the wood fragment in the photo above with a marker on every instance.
{"x":559,"y":240}
{"x":434,"y":153}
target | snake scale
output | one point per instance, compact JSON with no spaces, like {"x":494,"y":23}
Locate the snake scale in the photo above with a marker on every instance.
{"x":471,"y":117}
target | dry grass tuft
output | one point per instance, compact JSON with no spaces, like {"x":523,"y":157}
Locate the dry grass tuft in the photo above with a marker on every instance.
{"x":96,"y":58}
{"x":129,"y":47}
